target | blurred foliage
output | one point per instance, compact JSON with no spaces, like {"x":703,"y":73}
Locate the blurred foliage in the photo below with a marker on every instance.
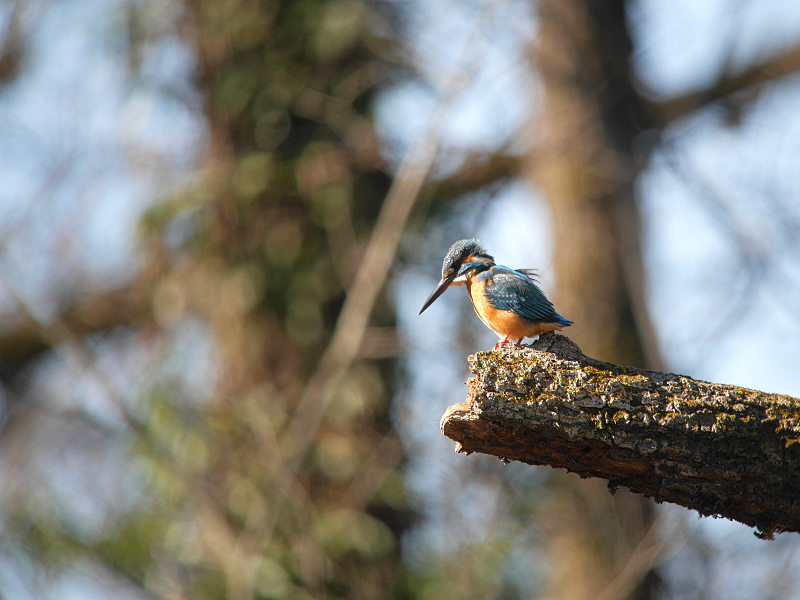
{"x":261,"y":247}
{"x":279,"y":217}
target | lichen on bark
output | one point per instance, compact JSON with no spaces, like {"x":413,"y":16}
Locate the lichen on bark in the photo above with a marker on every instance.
{"x":719,"y":449}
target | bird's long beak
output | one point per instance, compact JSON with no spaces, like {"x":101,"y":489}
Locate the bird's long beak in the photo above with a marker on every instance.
{"x":440,"y":288}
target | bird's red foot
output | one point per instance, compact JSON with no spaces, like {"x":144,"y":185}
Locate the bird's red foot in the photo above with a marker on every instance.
{"x":503,"y":341}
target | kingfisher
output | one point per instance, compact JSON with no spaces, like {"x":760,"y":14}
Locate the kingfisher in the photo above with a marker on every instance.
{"x":508,"y":301}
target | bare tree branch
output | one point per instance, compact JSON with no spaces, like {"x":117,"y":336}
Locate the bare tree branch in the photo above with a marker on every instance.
{"x":750,"y":80}
{"x":90,"y":313}
{"x":719,"y":449}
{"x":477,"y":171}
{"x":348,"y":333}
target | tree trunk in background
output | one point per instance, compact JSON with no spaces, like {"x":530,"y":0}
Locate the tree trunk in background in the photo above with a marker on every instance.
{"x":585,"y":169}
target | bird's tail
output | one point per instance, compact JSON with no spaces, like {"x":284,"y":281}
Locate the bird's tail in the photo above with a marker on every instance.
{"x":562,"y":321}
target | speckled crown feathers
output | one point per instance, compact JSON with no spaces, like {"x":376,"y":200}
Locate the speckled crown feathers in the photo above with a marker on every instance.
{"x":460,"y":250}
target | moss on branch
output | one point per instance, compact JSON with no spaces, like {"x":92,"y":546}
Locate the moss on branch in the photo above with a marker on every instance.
{"x":719,"y":449}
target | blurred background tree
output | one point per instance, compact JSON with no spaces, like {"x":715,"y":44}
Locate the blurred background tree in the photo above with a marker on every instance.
{"x":242,"y":490}
{"x":209,"y":389}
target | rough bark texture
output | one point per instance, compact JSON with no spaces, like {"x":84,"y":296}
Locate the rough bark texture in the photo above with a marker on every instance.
{"x":719,"y":449}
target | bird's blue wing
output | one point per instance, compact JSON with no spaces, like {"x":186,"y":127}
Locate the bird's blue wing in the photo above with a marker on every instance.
{"x":512,"y":290}
{"x":532,"y":273}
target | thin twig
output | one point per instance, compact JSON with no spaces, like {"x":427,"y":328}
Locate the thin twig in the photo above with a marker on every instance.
{"x":371,"y":276}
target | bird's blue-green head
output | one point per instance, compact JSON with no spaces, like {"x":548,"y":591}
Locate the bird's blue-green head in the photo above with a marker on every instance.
{"x":464,"y":258}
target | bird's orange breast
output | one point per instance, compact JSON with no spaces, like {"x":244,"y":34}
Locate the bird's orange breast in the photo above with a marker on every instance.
{"x":505,"y":323}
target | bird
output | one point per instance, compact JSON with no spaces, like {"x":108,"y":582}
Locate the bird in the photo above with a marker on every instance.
{"x":508,"y":301}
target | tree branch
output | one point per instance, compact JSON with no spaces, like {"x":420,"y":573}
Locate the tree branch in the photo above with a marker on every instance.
{"x":92,"y":312}
{"x":750,"y":80}
{"x":478,"y":170}
{"x":719,"y":449}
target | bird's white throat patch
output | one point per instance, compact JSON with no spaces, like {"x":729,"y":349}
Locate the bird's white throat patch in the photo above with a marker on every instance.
{"x":460,"y":280}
